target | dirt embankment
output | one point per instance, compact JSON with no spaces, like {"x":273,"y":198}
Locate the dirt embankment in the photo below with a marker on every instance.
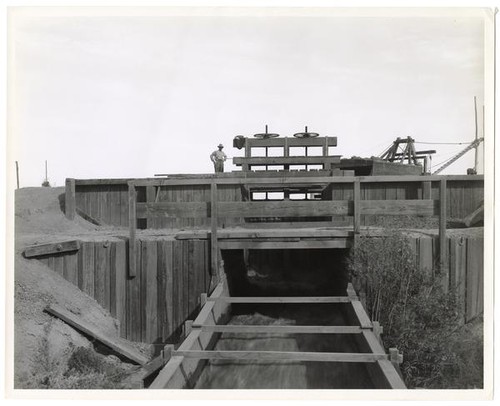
{"x":42,"y":343}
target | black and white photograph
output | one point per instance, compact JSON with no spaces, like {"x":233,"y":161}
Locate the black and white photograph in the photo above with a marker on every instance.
{"x":218,"y":199}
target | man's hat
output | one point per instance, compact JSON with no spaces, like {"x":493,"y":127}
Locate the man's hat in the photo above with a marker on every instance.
{"x":220,"y":146}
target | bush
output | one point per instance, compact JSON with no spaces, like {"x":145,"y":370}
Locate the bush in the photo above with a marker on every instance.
{"x":418,"y":317}
{"x":81,"y":368}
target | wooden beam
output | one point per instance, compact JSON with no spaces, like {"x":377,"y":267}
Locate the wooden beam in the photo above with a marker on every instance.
{"x":340,"y":243}
{"x":400,"y":207}
{"x":351,"y":293}
{"x":297,"y":208}
{"x":357,"y":206}
{"x":290,"y":160}
{"x":214,"y":248}
{"x":70,"y":199}
{"x":290,"y":142}
{"x":138,"y":377}
{"x":51,"y":249}
{"x":443,"y":246}
{"x":116,"y":344}
{"x":426,"y":190}
{"x":173,"y":210}
{"x":283,"y":177}
{"x":270,"y":233}
{"x":364,"y":320}
{"x":265,"y":329}
{"x":132,"y":219}
{"x":282,"y":299}
{"x":283,"y":356}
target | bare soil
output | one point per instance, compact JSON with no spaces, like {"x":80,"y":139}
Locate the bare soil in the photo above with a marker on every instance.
{"x":39,"y":219}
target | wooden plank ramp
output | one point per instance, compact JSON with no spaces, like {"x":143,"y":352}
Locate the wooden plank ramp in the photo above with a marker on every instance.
{"x":115,"y":343}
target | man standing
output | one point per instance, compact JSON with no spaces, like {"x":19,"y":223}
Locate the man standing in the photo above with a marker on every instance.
{"x":218,"y":157}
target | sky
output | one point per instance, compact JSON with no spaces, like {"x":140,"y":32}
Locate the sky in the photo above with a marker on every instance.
{"x":103,"y":96}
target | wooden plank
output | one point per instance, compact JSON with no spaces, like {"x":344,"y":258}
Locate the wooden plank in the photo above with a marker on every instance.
{"x":297,"y":208}
{"x":214,"y":212}
{"x":193,"y":294}
{"x":341,"y":243}
{"x":52,"y":248}
{"x":168,"y":255}
{"x":179,"y":285}
{"x":124,"y":208}
{"x":265,"y":233}
{"x":120,"y":284}
{"x":132,"y":220}
{"x":162,"y":326}
{"x":290,"y":142}
{"x":291,"y":160}
{"x":282,"y":356}
{"x":443,"y":246}
{"x":363,"y":319}
{"x":71,"y":267}
{"x":134,"y":301}
{"x":264,"y":329}
{"x":101,"y":274}
{"x":282,"y":299}
{"x":59,"y":264}
{"x":425,"y":255}
{"x":114,"y":205}
{"x":386,"y":369}
{"x":288,"y":178}
{"x":103,"y":204}
{"x":111,"y":181}
{"x":70,"y":199}
{"x":115,"y":344}
{"x":474,"y":277}
{"x":400,"y":207}
{"x":357,"y":206}
{"x":151,"y":295}
{"x":150,"y":198}
{"x":87,"y":265}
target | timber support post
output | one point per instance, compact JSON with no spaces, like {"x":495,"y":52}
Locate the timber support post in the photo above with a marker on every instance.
{"x":214,"y":248}
{"x":70,"y":199}
{"x":132,"y":219}
{"x":357,"y":205}
{"x":443,"y":246}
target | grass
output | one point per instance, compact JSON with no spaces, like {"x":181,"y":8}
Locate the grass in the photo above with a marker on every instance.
{"x":418,"y":317}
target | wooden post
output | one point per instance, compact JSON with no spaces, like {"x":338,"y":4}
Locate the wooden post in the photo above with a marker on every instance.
{"x":70,"y":199}
{"x":132,"y":219}
{"x":443,"y":247}
{"x":150,"y":198}
{"x":213,"y":235}
{"x":426,"y":190}
{"x":357,"y":214}
{"x":17,"y":174}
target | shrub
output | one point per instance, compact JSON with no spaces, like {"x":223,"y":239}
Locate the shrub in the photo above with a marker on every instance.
{"x":81,"y":368}
{"x":418,"y":317}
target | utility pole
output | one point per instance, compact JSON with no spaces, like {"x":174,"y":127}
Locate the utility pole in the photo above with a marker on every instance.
{"x":476,"y":155}
{"x":17,"y":174}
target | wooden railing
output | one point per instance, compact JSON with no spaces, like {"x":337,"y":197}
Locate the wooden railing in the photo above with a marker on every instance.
{"x":355,"y":207}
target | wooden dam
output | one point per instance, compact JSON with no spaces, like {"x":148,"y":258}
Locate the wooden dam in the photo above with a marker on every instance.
{"x":174,"y":267}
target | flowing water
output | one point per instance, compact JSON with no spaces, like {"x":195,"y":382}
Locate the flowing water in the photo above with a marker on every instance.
{"x":282,"y":273}
{"x":250,"y":374}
